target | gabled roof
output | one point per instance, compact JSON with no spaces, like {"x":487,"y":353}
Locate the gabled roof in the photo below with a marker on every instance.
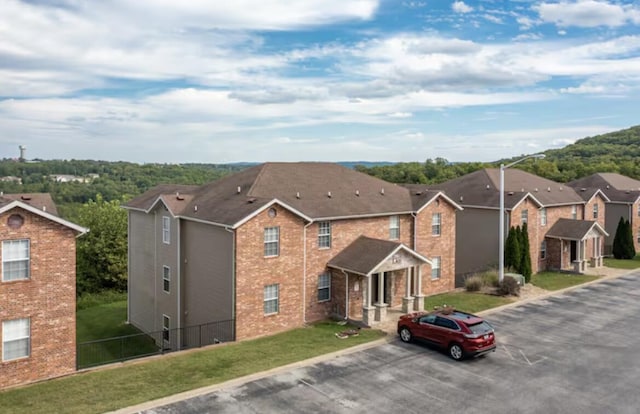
{"x":422,"y":196}
{"x":365,"y":255}
{"x":7,"y":204}
{"x":482,"y":189}
{"x":41,"y":201}
{"x":314,"y":190}
{"x":617,"y":187}
{"x":569,"y":229}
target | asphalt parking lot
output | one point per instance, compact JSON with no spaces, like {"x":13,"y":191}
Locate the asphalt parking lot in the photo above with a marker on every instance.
{"x":570,"y":353}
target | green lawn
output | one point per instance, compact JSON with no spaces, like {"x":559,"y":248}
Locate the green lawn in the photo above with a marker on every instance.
{"x":110,"y":389}
{"x":557,"y":281}
{"x":623,"y":264}
{"x":466,"y":301}
{"x":108,"y":321}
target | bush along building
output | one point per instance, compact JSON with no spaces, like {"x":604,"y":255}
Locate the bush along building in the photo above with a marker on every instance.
{"x":37,"y":290}
{"x":279,"y":245}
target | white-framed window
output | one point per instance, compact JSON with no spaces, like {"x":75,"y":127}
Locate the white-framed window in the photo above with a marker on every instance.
{"x":166,"y":330}
{"x":394,"y":227}
{"x":15,"y":260}
{"x":166,"y":279}
{"x":638,"y":236}
{"x":271,"y":241}
{"x":524,"y":216}
{"x":166,"y":230}
{"x":595,"y":211}
{"x":435,"y":267}
{"x":543,"y":216}
{"x":271,"y":299}
{"x":16,"y":339}
{"x":574,"y":212}
{"x":543,"y":249}
{"x":436,"y":223}
{"x":638,"y":209}
{"x":324,"y":287}
{"x":324,"y":234}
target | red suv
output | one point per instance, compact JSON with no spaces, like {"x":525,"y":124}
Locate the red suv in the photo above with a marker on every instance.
{"x":462,"y":334}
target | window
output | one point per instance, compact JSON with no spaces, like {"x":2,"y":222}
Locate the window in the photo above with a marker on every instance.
{"x":638,"y":210}
{"x":166,"y":278}
{"x":394,"y":227}
{"x":324,"y":287}
{"x":436,"y":221}
{"x":435,"y":268}
{"x":574,"y":212}
{"x":16,"y":339}
{"x":166,"y":230}
{"x":324,"y":234}
{"x":524,"y":216}
{"x":270,"y":299}
{"x":271,"y":241}
{"x":638,"y":236}
{"x":543,"y":249}
{"x":543,"y":216}
{"x":595,"y":211}
{"x":15,"y":260}
{"x":166,"y":327}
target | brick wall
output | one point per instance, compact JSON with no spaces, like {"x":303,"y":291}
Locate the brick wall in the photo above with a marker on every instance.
{"x":635,"y":225}
{"x":47,"y":298}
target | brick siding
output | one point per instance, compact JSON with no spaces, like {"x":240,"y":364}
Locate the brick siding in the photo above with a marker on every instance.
{"x":47,"y":298}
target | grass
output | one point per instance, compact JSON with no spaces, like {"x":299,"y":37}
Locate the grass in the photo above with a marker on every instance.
{"x":108,"y":321}
{"x":89,"y":300}
{"x":557,"y":281}
{"x":110,"y":389}
{"x":466,"y":301}
{"x":623,"y":264}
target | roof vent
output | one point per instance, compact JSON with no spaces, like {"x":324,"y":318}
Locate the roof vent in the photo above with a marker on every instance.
{"x":357,"y":193}
{"x":488,"y":187}
{"x":522,"y":190}
{"x":382,"y":191}
{"x":418,"y":193}
{"x":179,"y":197}
{"x":535,"y":189}
{"x":549,"y":189}
{"x":510,"y":193}
{"x":461,"y":198}
{"x":298,"y":195}
{"x":251,"y":200}
{"x":44,"y":208}
{"x":195,"y":208}
{"x":561,"y":188}
{"x":607,"y":186}
{"x":329,"y":194}
{"x":25,"y":197}
{"x":239,"y":189}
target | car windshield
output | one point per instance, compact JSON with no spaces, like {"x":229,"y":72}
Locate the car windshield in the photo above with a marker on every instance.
{"x":481,"y":327}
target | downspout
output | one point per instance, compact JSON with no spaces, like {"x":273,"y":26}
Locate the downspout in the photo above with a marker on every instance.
{"x":346,"y":295}
{"x":178,"y":271}
{"x":304,"y":272}
{"x":155,"y":269}
{"x":233,"y":275}
{"x":415,"y":241}
{"x":128,"y":267}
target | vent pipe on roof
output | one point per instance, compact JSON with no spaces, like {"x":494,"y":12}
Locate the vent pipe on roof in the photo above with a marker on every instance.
{"x":488,"y":186}
{"x":510,"y":193}
{"x":44,"y":208}
{"x":298,"y":195}
{"x":382,"y":191}
{"x":535,"y":189}
{"x":583,"y":189}
{"x":357,"y":193}
{"x":461,"y":198}
{"x":549,"y":189}
{"x":561,"y":188}
{"x":195,"y":208}
{"x":607,"y":186}
{"x":522,"y":190}
{"x":239,"y":189}
{"x":329,"y":194}
{"x":179,"y":197}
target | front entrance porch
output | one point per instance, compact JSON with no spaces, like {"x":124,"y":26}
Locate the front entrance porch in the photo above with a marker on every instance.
{"x":377,"y":275}
{"x":573,"y":245}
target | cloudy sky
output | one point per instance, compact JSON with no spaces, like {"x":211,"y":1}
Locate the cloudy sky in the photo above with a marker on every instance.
{"x":314,"y":80}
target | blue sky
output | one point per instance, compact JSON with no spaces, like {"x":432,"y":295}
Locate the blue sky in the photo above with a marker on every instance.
{"x":313,"y":80}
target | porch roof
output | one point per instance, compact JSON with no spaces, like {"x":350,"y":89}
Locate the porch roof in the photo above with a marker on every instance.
{"x":366,"y":255}
{"x":569,"y":229}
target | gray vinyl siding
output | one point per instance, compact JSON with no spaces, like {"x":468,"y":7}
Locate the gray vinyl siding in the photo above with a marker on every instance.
{"x":476,"y":241}
{"x":613,"y":212}
{"x":142,"y":270}
{"x":166,"y":303}
{"x":207,"y":273}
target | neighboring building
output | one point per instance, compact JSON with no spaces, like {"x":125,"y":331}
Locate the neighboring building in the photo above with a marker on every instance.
{"x":281,"y":244}
{"x":11,"y":179}
{"x":37,"y":290}
{"x":623,"y":200}
{"x":68,"y":178}
{"x":555,"y":243}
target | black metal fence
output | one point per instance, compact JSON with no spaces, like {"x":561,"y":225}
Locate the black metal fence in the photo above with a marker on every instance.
{"x":122,"y":348}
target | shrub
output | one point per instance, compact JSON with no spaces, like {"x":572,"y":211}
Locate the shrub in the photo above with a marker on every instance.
{"x":509,"y":286}
{"x":490,"y":278}
{"x":473,"y":283}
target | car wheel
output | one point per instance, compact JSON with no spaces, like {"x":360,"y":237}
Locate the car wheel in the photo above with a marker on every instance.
{"x":455,"y":352}
{"x":405,"y":334}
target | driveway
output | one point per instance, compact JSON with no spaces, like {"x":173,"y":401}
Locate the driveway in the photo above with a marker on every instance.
{"x":570,"y":353}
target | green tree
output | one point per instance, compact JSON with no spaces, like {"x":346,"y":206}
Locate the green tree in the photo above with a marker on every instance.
{"x":525,"y":262}
{"x":102,"y":253}
{"x":629,"y":248}
{"x":512,"y":250}
{"x":619,"y":250}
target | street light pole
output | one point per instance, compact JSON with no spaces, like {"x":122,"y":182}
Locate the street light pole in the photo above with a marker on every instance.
{"x":501,"y":218}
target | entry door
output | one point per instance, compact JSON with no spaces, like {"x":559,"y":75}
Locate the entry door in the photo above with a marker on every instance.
{"x":574,"y":249}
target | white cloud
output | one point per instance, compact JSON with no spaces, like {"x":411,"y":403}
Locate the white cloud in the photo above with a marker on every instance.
{"x":461,"y":7}
{"x":492,"y":18}
{"x":587,"y":13}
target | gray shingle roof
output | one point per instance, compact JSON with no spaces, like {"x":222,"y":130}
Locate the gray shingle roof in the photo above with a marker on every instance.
{"x":572,"y":229}
{"x":363,"y":255}
{"x":41,"y":201}
{"x":481,"y":188}
{"x":617,"y":187}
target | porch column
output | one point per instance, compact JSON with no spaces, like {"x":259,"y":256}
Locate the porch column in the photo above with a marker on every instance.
{"x":407,"y":301}
{"x":381,"y":307}
{"x":368,"y":311}
{"x":418,"y":303}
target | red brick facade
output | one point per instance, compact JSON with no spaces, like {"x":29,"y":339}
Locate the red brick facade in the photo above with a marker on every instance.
{"x":47,"y":298}
{"x":298,"y":297}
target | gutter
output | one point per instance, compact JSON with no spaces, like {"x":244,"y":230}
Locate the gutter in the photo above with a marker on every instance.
{"x":233,"y":275}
